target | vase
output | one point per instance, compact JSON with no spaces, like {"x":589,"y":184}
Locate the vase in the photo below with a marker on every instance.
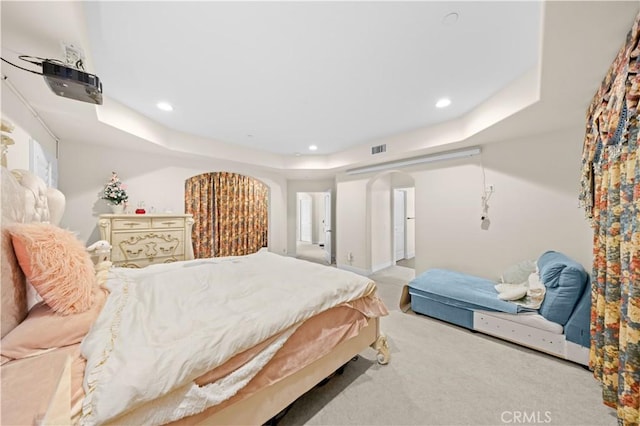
{"x":117,"y":208}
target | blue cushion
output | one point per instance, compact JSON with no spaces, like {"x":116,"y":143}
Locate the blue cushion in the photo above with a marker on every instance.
{"x":577,"y":328}
{"x":565,"y":280}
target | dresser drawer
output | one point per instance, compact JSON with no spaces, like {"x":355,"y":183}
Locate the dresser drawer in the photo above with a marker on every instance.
{"x":138,"y":241}
{"x":167,"y":222}
{"x":150,"y":245}
{"x":133,"y":223}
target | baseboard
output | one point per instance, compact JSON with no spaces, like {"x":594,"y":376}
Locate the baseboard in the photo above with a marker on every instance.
{"x":353,"y":269}
{"x":381,"y":266}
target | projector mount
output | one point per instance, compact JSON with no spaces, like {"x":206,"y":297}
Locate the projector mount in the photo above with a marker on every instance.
{"x":65,"y":80}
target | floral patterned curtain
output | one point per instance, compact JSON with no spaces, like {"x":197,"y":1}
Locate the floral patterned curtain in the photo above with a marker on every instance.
{"x":199,"y":196}
{"x":230,"y":213}
{"x":610,"y":194}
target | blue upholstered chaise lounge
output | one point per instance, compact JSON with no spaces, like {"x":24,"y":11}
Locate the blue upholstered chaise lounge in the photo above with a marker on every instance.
{"x":559,"y":327}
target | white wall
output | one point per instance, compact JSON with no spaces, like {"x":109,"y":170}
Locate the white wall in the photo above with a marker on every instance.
{"x":534,"y":208}
{"x":156,"y":179}
{"x":351,"y":225}
{"x":18,"y":154}
{"x":27,"y":126}
{"x":381,"y":235}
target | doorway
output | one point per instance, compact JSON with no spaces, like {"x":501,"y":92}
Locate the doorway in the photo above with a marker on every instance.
{"x":327,"y":228}
{"x":391,"y":221}
{"x":314,"y":230}
{"x":399,"y":231}
{"x":404,"y":227}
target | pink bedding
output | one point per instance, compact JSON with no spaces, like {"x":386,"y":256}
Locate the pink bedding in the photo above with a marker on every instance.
{"x":28,"y":384}
{"x":313,"y":339}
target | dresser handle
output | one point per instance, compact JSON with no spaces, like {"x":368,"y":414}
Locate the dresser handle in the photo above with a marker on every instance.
{"x":131,"y":224}
{"x":168,"y":223}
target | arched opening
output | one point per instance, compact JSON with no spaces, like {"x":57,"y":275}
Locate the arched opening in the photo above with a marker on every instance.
{"x":391,"y":220}
{"x":230,"y":213}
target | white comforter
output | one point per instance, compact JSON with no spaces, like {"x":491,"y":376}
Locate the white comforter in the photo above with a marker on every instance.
{"x":165,"y":325}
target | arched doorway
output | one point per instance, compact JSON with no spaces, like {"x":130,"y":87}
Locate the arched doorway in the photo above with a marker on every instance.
{"x":390,"y":220}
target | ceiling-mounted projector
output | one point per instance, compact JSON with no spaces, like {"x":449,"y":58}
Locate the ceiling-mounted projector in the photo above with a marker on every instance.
{"x":72,"y":83}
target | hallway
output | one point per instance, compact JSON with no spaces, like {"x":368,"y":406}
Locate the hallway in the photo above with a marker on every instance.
{"x":311,"y":252}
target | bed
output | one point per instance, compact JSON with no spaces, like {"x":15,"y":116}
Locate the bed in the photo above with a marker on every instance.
{"x":553,"y":318}
{"x":209,"y":341}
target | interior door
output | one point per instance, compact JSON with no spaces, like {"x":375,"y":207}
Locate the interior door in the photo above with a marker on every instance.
{"x":305,"y":219}
{"x":399,"y":224}
{"x":327,"y":228}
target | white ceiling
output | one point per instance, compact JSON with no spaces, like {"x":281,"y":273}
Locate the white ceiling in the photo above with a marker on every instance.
{"x":341,"y":75}
{"x":280,"y":76}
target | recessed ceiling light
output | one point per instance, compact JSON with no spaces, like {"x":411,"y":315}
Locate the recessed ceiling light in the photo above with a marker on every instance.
{"x":450,"y":18}
{"x":443,"y":103}
{"x":313,"y":148}
{"x":165,"y":106}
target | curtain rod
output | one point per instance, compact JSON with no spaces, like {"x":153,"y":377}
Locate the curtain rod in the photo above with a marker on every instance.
{"x":26,"y":103}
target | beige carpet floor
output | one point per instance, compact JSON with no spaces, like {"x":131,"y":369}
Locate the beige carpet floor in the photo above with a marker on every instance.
{"x":441,"y":374}
{"x":311,"y":252}
{"x":407,"y":263}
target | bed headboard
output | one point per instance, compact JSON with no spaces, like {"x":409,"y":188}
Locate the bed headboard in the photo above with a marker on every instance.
{"x":24,"y":198}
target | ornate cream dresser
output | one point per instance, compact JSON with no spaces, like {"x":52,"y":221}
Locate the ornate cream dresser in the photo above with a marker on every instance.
{"x":139,"y":240}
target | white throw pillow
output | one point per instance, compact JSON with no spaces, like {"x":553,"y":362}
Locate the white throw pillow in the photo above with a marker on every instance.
{"x":518,"y":273}
{"x":511,"y":291}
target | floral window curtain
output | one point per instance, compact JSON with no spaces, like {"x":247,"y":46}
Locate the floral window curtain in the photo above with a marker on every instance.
{"x":610,"y":194}
{"x":199,"y":202}
{"x":230,"y":214}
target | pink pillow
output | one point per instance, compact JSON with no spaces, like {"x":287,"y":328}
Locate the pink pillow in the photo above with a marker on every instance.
{"x":44,"y":329}
{"x":56,"y":263}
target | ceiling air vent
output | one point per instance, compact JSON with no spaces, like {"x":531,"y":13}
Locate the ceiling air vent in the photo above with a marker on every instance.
{"x":378,"y":149}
